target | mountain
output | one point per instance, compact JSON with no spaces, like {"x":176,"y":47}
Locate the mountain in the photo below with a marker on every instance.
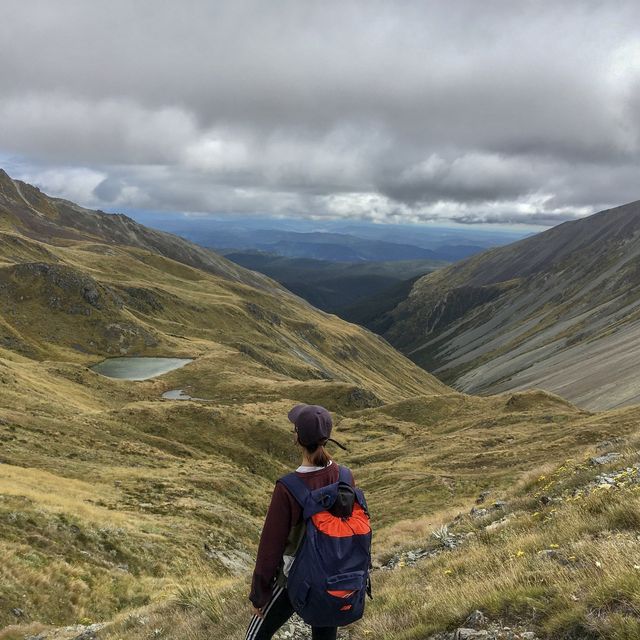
{"x":333,"y":286}
{"x":558,"y":311}
{"x":341,"y":247}
{"x":347,"y":240}
{"x":26,"y":210}
{"x":81,"y":283}
{"x":126,"y":513}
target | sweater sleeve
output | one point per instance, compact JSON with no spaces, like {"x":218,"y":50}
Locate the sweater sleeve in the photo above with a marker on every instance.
{"x":273,"y":541}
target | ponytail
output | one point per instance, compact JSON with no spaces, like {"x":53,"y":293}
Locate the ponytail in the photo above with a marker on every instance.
{"x":318,"y":455}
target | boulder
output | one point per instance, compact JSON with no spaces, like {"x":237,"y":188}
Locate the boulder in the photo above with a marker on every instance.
{"x":606,"y":458}
{"x":470,"y":634}
{"x":476,"y":620}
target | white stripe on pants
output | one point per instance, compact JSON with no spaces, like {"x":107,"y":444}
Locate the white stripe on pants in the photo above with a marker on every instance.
{"x":256,"y":622}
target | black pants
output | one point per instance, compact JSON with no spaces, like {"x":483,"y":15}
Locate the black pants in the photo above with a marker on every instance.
{"x":276,"y":612}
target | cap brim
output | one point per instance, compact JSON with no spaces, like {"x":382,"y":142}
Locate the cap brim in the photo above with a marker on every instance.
{"x":295,"y":412}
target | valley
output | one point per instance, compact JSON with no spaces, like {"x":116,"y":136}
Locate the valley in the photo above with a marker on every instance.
{"x":140,"y":513}
{"x":342,"y":288}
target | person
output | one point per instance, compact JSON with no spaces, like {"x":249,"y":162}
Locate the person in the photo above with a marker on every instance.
{"x":284,"y":528}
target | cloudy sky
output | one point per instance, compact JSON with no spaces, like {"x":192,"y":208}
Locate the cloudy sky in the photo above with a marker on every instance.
{"x":487,"y":111}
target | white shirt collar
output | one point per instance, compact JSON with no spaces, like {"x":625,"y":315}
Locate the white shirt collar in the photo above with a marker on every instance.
{"x":306,"y":469}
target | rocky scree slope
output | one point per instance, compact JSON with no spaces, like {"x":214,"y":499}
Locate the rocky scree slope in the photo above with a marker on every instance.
{"x":558,"y":311}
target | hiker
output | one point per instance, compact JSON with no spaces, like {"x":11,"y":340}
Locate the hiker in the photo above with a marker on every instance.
{"x":303,"y":504}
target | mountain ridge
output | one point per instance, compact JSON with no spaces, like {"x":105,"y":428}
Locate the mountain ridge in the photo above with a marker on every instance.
{"x":517,"y":316}
{"x":57,"y":220}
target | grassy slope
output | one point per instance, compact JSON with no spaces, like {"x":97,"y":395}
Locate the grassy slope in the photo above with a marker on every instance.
{"x":109,"y":498}
{"x":563,"y":560}
{"x":112,"y":499}
{"x":499,"y":569}
{"x":110,"y":494}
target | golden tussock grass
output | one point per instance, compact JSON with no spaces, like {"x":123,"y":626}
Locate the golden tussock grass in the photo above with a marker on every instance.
{"x":116,"y":505}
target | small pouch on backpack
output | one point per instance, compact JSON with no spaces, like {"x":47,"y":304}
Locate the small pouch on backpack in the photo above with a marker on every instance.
{"x":345,"y":583}
{"x":346,"y":589}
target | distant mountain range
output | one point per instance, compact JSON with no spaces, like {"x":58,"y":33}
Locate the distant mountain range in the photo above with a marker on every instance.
{"x":347,"y":248}
{"x":558,"y":311}
{"x":336,"y":241}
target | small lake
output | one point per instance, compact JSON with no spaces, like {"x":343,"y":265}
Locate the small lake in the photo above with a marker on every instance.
{"x":179,"y":394}
{"x":131,"y":368}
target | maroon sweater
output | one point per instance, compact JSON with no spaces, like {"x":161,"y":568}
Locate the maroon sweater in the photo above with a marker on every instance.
{"x":283,"y":514}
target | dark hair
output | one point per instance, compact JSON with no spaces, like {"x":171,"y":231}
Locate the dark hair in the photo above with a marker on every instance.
{"x":318,"y":454}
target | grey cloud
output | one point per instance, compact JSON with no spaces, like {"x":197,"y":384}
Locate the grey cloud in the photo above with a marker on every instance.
{"x":401,"y":111}
{"x":465,"y":176}
{"x":544,"y":219}
{"x":109,"y":189}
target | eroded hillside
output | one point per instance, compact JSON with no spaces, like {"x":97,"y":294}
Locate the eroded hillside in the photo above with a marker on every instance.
{"x":558,"y":311}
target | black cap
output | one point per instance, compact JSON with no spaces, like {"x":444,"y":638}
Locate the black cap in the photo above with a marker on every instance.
{"x":313,"y":424}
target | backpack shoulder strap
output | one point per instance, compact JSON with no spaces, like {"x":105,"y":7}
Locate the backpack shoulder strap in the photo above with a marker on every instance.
{"x":345,"y":475}
{"x":297,"y":487}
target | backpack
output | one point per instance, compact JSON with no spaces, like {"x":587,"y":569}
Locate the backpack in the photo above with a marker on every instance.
{"x":330,"y":573}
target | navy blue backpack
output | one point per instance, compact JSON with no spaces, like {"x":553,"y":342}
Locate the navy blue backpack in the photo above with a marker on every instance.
{"x":329,"y":576}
